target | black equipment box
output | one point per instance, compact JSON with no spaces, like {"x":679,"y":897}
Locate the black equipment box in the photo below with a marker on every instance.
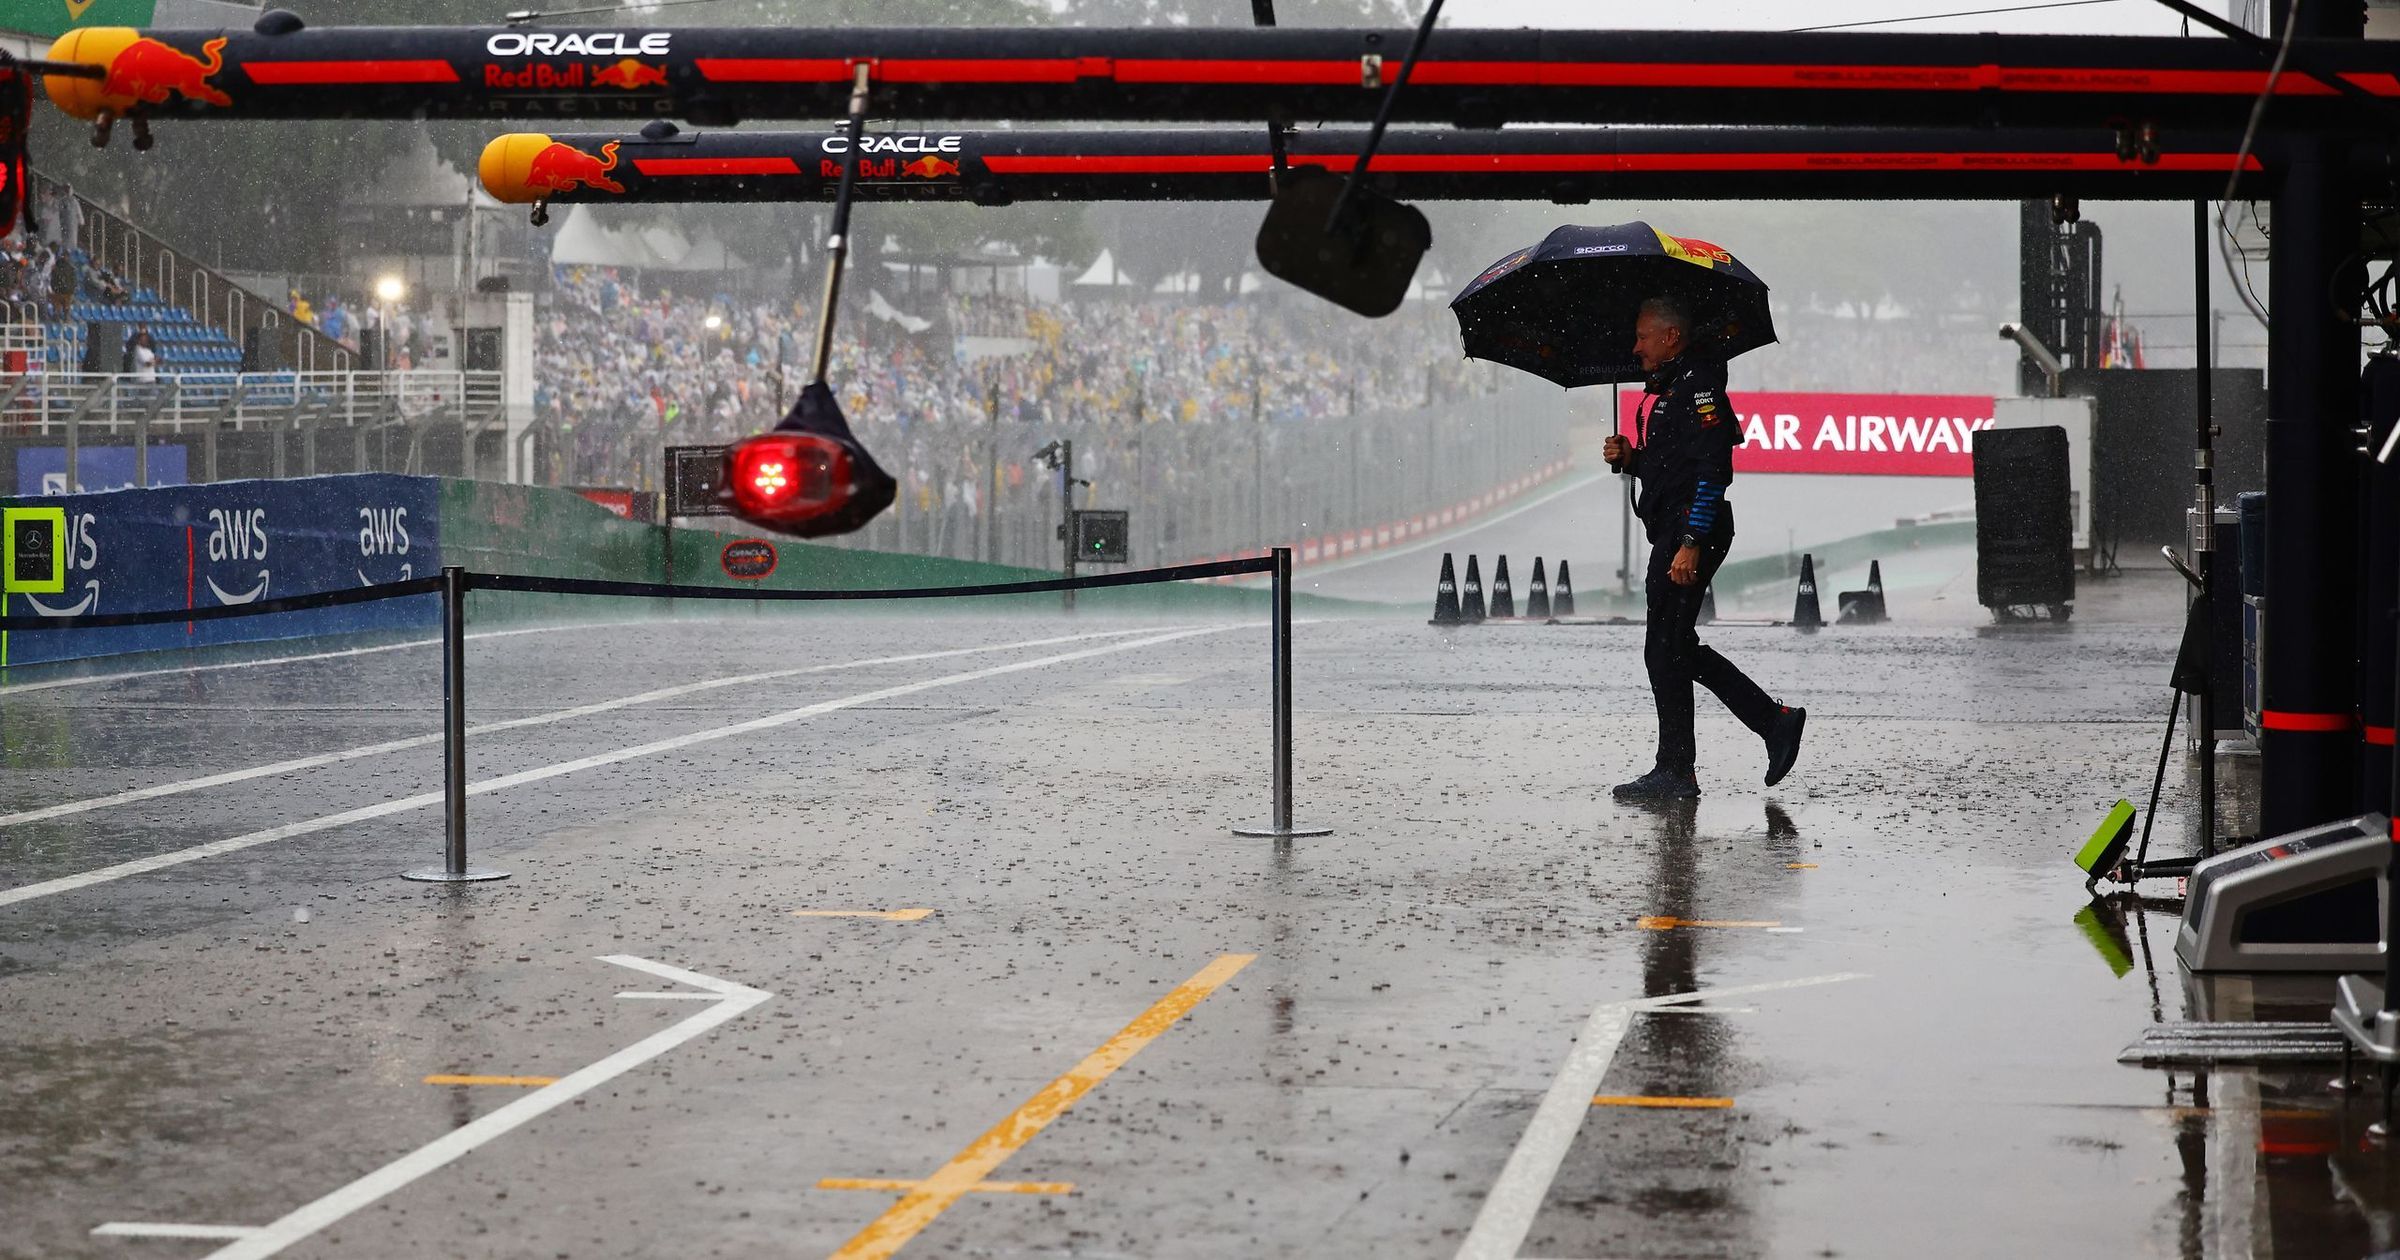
{"x":692,"y":476}
{"x":1103,"y":537}
{"x":2024,"y":522}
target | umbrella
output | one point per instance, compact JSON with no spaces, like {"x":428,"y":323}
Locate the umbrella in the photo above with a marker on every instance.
{"x":1564,"y":309}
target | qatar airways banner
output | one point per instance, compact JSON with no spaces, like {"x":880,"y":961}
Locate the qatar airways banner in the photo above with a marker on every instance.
{"x":1888,"y":435}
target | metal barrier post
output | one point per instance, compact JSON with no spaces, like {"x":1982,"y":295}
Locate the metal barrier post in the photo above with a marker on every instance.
{"x":1279,"y":633}
{"x":454,"y":868}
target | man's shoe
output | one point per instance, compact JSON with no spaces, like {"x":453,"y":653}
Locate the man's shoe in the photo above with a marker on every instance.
{"x":1783,"y":743}
{"x":1640,"y":787}
{"x":1659,"y":785}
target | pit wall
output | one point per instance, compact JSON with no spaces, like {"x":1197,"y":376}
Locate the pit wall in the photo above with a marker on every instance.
{"x":234,"y":542}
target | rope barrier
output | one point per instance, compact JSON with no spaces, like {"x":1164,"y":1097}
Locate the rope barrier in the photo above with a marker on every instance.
{"x":288,"y":603}
{"x":655,"y":590}
{"x":633,"y":590}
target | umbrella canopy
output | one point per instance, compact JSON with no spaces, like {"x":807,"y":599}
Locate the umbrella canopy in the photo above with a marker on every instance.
{"x":1564,"y":309}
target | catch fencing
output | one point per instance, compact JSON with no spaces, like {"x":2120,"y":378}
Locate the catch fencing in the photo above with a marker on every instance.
{"x":1204,"y":490}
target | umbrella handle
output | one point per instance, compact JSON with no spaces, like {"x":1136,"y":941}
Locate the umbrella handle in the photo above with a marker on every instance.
{"x":837,"y":247}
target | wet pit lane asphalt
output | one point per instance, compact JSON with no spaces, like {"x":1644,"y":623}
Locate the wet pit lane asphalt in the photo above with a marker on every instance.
{"x":1849,"y":1016}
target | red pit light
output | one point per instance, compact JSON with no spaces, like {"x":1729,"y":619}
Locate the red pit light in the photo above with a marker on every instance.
{"x":788,"y":481}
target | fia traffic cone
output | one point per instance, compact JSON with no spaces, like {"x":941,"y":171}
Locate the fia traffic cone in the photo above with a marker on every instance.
{"x":1445,"y":595}
{"x":1537,"y":598}
{"x":1562,"y":596}
{"x":1708,"y":605}
{"x":1805,"y":613}
{"x":1472,"y":610}
{"x":1504,"y":598}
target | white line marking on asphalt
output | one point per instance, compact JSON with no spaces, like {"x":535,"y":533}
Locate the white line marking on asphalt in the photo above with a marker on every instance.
{"x":1508,"y":1212}
{"x":668,"y":997}
{"x":297,"y":764}
{"x":10,"y":689}
{"x":730,"y":1001}
{"x":140,"y":1229}
{"x":235,"y":844}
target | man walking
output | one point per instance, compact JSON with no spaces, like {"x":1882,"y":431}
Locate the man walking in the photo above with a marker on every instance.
{"x":1682,"y":460}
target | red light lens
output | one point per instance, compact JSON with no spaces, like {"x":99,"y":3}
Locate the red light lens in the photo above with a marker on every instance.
{"x":785,"y":481}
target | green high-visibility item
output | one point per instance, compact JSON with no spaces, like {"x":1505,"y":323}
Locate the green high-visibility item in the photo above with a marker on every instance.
{"x":36,"y":556}
{"x":2108,"y":843}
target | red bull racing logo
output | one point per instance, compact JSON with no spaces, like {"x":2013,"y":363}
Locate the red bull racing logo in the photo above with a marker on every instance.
{"x":627,"y":75}
{"x":148,"y":72}
{"x":560,"y":168}
{"x":630,"y":75}
{"x":892,"y":169}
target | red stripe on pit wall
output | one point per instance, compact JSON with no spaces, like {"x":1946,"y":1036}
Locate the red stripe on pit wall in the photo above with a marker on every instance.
{"x":1604,"y":163}
{"x":318,"y":73}
{"x":717,"y":166}
{"x":2307,"y":723}
{"x":1345,"y":72}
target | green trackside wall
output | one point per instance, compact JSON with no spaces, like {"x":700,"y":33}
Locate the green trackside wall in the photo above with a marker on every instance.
{"x":1846,"y":553}
{"x":1739,"y":577}
{"x":492,"y":527}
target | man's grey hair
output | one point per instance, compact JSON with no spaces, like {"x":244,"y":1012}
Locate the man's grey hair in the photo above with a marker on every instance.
{"x":1671,"y":311}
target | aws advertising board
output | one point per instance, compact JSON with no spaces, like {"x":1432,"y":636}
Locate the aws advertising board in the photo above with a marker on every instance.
{"x":231,"y":543}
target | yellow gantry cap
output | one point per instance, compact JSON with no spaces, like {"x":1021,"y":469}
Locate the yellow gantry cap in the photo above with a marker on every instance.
{"x":507,"y":164}
{"x":90,"y":46}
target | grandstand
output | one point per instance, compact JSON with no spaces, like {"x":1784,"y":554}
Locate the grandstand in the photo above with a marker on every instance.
{"x":1220,"y":425}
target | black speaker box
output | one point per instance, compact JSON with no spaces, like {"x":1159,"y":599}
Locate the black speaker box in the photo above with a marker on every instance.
{"x":2024,"y":524}
{"x":104,"y":346}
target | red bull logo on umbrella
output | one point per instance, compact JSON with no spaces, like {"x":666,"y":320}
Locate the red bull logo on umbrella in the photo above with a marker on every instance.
{"x":560,"y":168}
{"x":149,"y":72}
{"x":1693,"y":250}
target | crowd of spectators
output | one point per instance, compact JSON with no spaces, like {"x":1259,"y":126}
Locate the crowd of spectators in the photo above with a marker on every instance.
{"x":621,"y":370}
{"x":353,"y":321}
{"x":40,"y":272}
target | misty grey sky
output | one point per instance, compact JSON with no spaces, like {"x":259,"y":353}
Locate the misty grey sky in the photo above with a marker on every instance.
{"x":2148,"y":244}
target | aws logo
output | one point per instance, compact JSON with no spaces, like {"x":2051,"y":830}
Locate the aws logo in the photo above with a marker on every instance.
{"x":383,"y":532}
{"x":238,"y":534}
{"x":83,"y":556}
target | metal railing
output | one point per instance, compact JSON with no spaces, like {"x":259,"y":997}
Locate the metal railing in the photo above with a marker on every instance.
{"x":140,"y":259}
{"x":267,"y":424}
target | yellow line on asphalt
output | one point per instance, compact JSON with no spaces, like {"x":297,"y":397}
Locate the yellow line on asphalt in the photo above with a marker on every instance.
{"x":450,"y":1079}
{"x":1799,"y":866}
{"x":981,"y":1187}
{"x":896,"y":916}
{"x":891,"y":1231}
{"x":1665,"y":923}
{"x":1654,"y":1100}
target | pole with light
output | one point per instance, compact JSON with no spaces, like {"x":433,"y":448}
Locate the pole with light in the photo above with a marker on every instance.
{"x":388,"y":289}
